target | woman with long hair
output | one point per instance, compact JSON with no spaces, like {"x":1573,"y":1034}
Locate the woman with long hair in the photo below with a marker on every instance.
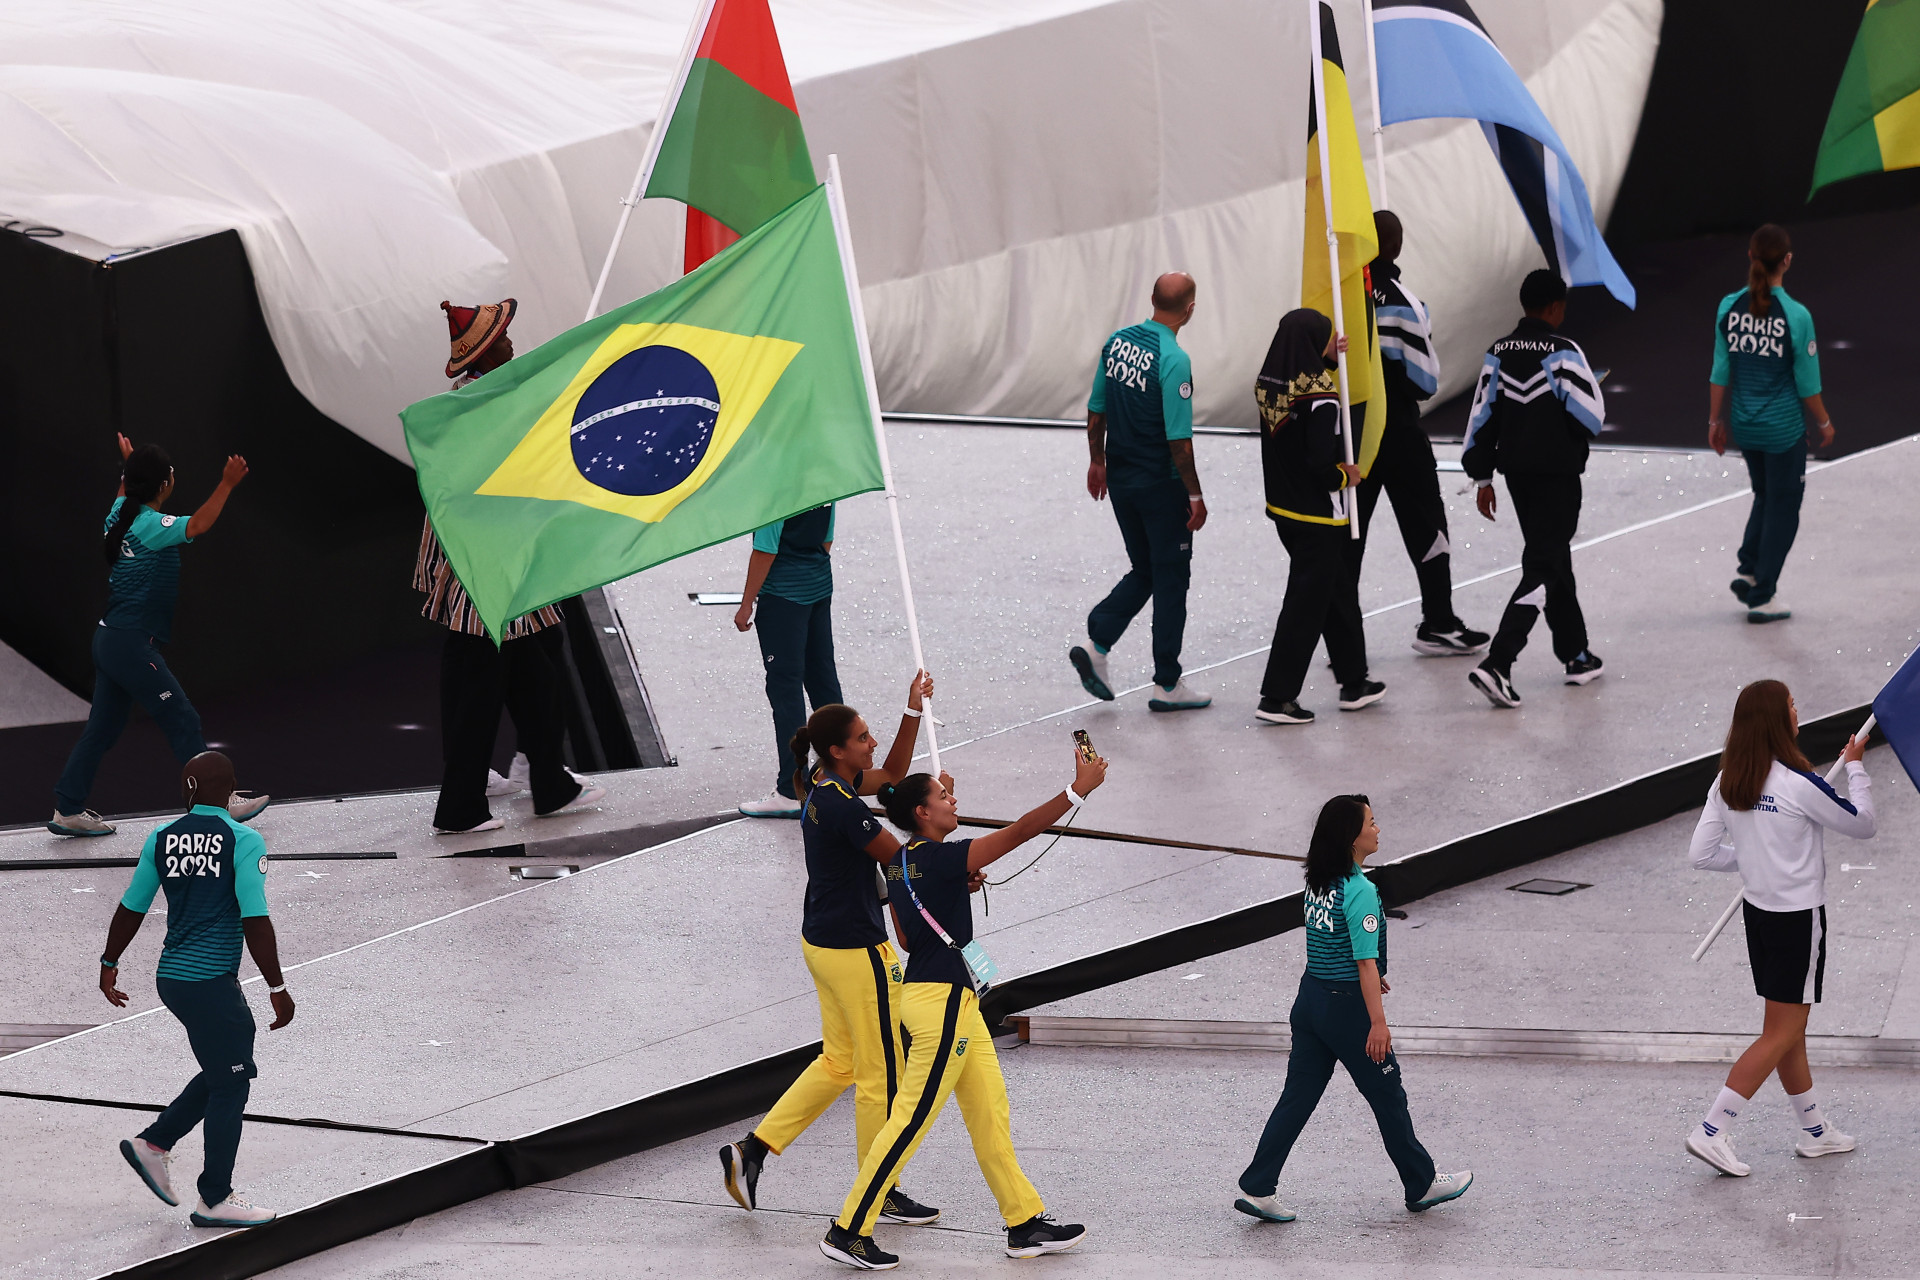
{"x":1339,"y":1017}
{"x":952,"y":1053}
{"x":856,"y":972}
{"x":1767,"y":816}
{"x":1764,"y":396}
{"x":142,"y":551}
{"x":1308,"y":487}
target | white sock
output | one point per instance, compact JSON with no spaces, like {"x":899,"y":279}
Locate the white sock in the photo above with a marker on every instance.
{"x":1806,"y":1113}
{"x":1722,"y":1113}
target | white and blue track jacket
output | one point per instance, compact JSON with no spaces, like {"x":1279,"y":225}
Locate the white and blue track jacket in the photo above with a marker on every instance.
{"x":1536,"y":409}
{"x":1406,"y":338}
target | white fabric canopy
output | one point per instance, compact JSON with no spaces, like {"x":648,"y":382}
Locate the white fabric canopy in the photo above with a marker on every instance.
{"x":1018,"y":170}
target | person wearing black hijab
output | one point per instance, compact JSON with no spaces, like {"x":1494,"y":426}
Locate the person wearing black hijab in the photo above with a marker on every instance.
{"x":1307,"y":480}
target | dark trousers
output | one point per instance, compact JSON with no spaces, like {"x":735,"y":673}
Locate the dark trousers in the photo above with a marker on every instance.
{"x":476,"y":679}
{"x":1323,"y":598}
{"x":1153,"y":525}
{"x":220,"y":1030}
{"x":1330,"y":1024}
{"x":1406,"y":471}
{"x":1548,"y":510}
{"x":796,"y":644}
{"x":127,"y":668}
{"x":1779,"y":483}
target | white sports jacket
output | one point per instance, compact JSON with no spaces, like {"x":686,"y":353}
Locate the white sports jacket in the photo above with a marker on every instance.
{"x":1778,"y":846}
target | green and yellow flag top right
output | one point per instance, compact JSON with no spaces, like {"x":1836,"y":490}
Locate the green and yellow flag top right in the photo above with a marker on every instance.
{"x":732,"y":398}
{"x":1874,"y":125}
{"x":1358,"y":243}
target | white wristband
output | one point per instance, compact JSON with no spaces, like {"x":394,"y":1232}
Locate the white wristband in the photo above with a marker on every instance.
{"x":277,"y":990}
{"x":909,"y":711}
{"x":1196,"y":497}
{"x":1484,"y":484}
{"x":1074,"y":798}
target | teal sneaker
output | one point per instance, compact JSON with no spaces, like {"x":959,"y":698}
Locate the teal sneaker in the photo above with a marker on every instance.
{"x":1091,"y":664}
{"x":1446,"y":1186}
{"x":1265,"y":1208}
{"x":1178,"y":698}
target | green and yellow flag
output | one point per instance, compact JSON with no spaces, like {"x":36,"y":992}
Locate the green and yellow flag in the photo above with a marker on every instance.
{"x":1359,"y":245}
{"x":729,"y":399}
{"x":1875,"y":121}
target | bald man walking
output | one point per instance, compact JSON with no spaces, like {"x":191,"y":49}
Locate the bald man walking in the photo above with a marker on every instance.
{"x":1140,"y":447}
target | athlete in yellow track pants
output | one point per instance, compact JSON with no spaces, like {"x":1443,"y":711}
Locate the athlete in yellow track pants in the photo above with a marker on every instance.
{"x":843,"y":937}
{"x":952,"y":1051}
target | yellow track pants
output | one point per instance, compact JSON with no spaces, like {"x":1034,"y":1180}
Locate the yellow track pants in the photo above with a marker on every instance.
{"x":952,"y":1054}
{"x":859,"y":990}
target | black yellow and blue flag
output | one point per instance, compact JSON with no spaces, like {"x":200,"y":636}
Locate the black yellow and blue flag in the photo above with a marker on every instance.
{"x":732,"y":398}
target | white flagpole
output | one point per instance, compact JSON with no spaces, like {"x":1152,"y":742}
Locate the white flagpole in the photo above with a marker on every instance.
{"x":1726,"y":917}
{"x":1379,"y":128}
{"x":658,"y":136}
{"x":844,"y":236}
{"x":1350,"y":497}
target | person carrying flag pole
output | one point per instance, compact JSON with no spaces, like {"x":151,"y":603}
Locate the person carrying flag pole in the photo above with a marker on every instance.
{"x":1325,"y":37}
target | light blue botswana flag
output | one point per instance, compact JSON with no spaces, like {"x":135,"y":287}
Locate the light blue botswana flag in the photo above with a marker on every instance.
{"x":1436,"y":60}
{"x":1897,"y":710}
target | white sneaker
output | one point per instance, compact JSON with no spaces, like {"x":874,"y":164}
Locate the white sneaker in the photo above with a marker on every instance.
{"x":520,"y":773}
{"x":1446,"y":1186}
{"x":231,"y":1212}
{"x":244,"y":806}
{"x":590,"y":794}
{"x":1831,"y":1142}
{"x":1716,"y":1151}
{"x":498,"y":786}
{"x":1265,"y":1208}
{"x":773,"y":806}
{"x":491,"y":824}
{"x":154,"y":1166}
{"x":84,"y":823}
{"x":1178,"y":698}
{"x":1773,"y":610}
{"x":1091,"y":664}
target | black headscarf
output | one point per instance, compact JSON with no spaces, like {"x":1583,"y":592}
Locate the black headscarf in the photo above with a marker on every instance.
{"x":1299,"y":347}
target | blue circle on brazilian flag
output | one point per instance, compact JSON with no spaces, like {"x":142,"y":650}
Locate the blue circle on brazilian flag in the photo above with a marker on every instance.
{"x":643,"y":425}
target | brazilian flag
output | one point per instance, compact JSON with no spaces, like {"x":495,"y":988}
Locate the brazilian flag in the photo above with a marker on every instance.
{"x":1874,"y":126}
{"x":729,"y":399}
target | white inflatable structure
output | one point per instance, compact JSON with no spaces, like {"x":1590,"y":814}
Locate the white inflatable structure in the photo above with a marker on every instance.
{"x":1018,"y":170}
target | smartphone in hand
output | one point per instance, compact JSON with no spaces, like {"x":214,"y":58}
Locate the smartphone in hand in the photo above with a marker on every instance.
{"x":1085,"y":745}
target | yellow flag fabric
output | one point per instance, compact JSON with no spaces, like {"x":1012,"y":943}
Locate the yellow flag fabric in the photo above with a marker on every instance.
{"x":1358,"y":244}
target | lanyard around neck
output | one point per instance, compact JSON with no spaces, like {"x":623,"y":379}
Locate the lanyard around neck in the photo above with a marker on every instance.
{"x":906,"y":876}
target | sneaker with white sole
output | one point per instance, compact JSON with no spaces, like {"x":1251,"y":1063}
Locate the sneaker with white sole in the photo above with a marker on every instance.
{"x":231,"y":1212}
{"x":903,"y":1208}
{"x":491,"y":824}
{"x":1456,"y":641}
{"x":1265,"y":1208}
{"x":244,"y":806}
{"x":1446,"y":1186}
{"x":1494,"y":682}
{"x":1178,"y":698}
{"x":773,"y":806}
{"x":1041,"y":1234}
{"x":1091,"y":665}
{"x":1716,"y":1151}
{"x":1585,"y":669}
{"x":1365,"y":694}
{"x":860,"y":1252}
{"x":591,"y":793}
{"x":498,"y":786}
{"x":84,"y":823}
{"x":740,"y":1164}
{"x":1273,"y":711}
{"x":1831,"y":1142}
{"x":1771,"y":611}
{"x":155,"y":1166}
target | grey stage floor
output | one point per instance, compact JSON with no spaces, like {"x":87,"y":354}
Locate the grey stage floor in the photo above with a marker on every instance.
{"x":1578,"y":1173}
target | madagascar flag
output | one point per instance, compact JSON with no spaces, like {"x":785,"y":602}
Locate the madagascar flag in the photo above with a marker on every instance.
{"x":1875,"y":122}
{"x":733,"y":151}
{"x":1359,"y":245}
{"x":732,"y":398}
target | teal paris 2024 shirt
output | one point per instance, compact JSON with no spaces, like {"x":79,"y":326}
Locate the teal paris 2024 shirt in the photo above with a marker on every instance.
{"x":1344,"y":926}
{"x":145,"y":580}
{"x":215,"y":872}
{"x":1769,"y":364}
{"x":802,"y":570}
{"x":1143,"y":384}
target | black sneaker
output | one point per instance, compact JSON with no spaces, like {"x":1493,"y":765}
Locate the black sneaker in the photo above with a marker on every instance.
{"x":1493,"y":682}
{"x":1041,"y":1234}
{"x":1365,"y":694}
{"x":1454,"y":641}
{"x":1740,"y":586}
{"x":859,"y":1252}
{"x":901,"y":1207}
{"x":740,"y":1165}
{"x":1288,"y":712}
{"x":1584,"y":668}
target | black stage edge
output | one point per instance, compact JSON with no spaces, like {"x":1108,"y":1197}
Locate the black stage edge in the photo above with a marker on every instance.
{"x":744,"y":1091}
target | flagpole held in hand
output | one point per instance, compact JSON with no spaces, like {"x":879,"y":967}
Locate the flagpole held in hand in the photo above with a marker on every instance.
{"x":658,"y":136}
{"x":1350,"y":498}
{"x":1379,"y":126}
{"x":1726,"y":917}
{"x":837,"y":203}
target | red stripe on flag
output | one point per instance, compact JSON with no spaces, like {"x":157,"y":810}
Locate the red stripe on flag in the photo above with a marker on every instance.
{"x":705,"y":237}
{"x":741,"y":38}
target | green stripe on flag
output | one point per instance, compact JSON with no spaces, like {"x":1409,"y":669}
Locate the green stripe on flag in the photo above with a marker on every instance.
{"x":731,"y":151}
{"x":1882,"y":71}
